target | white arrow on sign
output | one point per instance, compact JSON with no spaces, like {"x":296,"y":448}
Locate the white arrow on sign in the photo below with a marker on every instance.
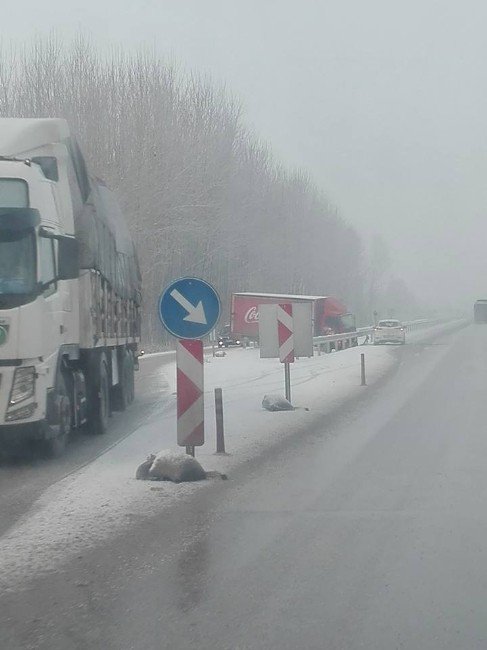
{"x":195,"y":314}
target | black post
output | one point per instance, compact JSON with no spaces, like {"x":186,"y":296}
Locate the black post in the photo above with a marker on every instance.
{"x":220,"y":432}
{"x":362,"y":368}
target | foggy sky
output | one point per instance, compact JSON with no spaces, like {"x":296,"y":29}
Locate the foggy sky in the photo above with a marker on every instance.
{"x":384,"y":102}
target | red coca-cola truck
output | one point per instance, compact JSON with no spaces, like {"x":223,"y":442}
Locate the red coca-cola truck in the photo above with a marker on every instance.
{"x":329,"y":315}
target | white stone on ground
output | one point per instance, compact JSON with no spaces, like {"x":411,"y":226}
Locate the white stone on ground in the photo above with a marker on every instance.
{"x":276,"y":403}
{"x":177,"y":467}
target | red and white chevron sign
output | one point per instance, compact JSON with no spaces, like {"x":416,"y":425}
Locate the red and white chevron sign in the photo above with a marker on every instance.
{"x":190,"y":387}
{"x":285,"y":332}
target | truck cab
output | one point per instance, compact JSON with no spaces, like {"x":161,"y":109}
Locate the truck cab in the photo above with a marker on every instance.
{"x":36,"y":309}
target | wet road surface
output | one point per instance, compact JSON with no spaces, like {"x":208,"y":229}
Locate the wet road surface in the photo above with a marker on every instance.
{"x":368,"y":531}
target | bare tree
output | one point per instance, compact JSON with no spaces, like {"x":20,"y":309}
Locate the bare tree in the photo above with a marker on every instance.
{"x":202,"y":194}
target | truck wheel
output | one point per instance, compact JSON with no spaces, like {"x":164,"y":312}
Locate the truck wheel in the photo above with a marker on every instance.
{"x":56,"y":446}
{"x":101,"y":402}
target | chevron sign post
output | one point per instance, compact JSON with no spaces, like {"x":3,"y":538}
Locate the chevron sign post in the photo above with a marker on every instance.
{"x":190,"y":387}
{"x":189,"y":309}
{"x":285,"y":334}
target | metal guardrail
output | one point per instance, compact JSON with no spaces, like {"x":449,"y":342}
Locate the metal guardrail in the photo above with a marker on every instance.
{"x":324,"y":343}
{"x":350,"y":339}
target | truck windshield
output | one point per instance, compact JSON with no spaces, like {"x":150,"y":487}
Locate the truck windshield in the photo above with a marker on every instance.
{"x":17,"y":266}
{"x":14,"y":193}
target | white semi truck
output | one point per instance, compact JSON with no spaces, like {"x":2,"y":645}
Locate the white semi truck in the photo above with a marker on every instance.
{"x":69,"y":290}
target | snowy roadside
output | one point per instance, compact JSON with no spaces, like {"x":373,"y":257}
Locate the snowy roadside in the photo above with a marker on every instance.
{"x":101,"y":499}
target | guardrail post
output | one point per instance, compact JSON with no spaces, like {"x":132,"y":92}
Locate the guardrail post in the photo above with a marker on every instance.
{"x":362,"y":369}
{"x":220,"y":433}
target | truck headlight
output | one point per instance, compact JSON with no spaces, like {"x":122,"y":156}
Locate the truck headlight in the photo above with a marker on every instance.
{"x":21,"y":413}
{"x":23,"y":385}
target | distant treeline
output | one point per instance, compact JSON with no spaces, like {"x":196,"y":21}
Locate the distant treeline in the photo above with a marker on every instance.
{"x":202,"y":194}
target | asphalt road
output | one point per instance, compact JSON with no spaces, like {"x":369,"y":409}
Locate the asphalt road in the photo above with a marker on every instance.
{"x":367,"y":531}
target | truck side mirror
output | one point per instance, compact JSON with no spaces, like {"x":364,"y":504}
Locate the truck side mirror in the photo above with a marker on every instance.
{"x":68,"y":258}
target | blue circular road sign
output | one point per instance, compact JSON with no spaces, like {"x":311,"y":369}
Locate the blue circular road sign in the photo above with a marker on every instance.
{"x":189,"y":308}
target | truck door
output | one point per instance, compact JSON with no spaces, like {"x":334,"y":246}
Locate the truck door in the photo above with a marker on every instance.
{"x":52,"y":307}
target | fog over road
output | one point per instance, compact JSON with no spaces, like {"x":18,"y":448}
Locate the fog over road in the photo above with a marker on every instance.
{"x":368,"y":532}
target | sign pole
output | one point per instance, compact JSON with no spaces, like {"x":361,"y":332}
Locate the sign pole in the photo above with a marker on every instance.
{"x":285,"y":333}
{"x":287,"y":380}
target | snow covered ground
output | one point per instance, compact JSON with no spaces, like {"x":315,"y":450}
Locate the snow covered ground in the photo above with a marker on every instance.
{"x":102,"y":498}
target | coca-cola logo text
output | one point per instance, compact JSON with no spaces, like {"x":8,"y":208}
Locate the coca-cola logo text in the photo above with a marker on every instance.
{"x":252,"y":315}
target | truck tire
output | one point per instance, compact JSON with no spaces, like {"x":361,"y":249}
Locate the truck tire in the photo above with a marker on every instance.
{"x":100,"y":410}
{"x":56,"y":446}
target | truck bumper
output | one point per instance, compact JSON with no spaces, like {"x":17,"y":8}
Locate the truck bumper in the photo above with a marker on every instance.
{"x":400,"y":339}
{"x":14,"y":434}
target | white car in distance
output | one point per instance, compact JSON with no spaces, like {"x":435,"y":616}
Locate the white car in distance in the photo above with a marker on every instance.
{"x":389,"y":331}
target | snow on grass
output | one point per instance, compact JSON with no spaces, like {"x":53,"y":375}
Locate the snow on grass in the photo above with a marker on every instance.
{"x":102,"y":498}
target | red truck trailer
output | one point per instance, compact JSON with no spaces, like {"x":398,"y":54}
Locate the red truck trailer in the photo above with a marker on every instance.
{"x":329,"y":315}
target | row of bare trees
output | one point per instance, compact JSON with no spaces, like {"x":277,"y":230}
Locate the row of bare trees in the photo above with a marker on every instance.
{"x":202,"y":194}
